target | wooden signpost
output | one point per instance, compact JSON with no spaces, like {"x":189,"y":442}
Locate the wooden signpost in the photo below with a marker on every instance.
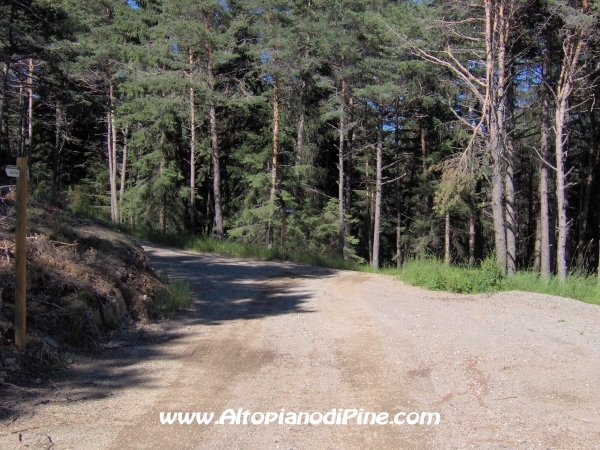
{"x":21,"y":173}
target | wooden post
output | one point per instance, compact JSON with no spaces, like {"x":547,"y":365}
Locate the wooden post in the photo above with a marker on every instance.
{"x":21,"y":255}
{"x":283,"y":230}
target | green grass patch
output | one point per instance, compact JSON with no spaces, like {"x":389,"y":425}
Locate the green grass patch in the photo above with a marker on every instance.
{"x":433,"y":274}
{"x":176,"y":297}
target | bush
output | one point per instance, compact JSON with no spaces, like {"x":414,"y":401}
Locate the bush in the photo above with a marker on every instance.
{"x":175,"y":297}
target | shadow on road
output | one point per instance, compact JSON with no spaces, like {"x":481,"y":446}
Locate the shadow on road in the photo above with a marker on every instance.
{"x":225,"y":289}
{"x":231,"y":289}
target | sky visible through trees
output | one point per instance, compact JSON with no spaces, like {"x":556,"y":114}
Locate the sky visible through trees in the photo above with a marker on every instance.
{"x":394,"y":129}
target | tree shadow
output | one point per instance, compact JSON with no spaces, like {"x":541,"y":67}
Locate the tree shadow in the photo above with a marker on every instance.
{"x":224,"y":289}
{"x":232,"y":289}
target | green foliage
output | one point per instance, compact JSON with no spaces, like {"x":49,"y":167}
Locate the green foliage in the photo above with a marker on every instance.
{"x":435,"y":275}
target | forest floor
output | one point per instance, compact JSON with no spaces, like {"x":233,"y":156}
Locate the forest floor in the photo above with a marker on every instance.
{"x":510,"y":370}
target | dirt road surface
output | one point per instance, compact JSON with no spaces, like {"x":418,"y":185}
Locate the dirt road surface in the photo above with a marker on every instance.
{"x":505,"y":371}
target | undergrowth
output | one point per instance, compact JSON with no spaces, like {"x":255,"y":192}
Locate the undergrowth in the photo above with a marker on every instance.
{"x":435,"y":275}
{"x":176,"y":297}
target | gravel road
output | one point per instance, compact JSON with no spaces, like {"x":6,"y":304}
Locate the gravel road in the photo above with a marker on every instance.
{"x":511,"y":370}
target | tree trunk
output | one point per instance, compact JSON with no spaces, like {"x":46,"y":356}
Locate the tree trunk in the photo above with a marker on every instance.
{"x":544,"y":217}
{"x":162,"y":211}
{"x":110,"y":160}
{"x":114,"y":215}
{"x":21,"y":121}
{"x":447,"y":240}
{"x":397,"y":191}
{"x":472,"y":238}
{"x":572,"y":49}
{"x":348,"y":168}
{"x":123,"y":175}
{"x":192,"y":146}
{"x":537,"y":247}
{"x":274,"y":160}
{"x":378,"y":186}
{"x":30,"y":111}
{"x":368,"y":208}
{"x":58,"y":120}
{"x":3,"y":94}
{"x":495,"y":120}
{"x":300,"y":137}
{"x":561,"y":257}
{"x":509,"y":150}
{"x":341,"y":176}
{"x":215,"y":148}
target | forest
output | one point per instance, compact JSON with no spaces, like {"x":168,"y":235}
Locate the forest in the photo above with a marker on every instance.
{"x":390,"y":130}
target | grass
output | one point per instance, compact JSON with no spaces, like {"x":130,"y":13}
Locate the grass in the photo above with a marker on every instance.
{"x":174,"y":298}
{"x":435,"y":275}
{"x":428,"y":273}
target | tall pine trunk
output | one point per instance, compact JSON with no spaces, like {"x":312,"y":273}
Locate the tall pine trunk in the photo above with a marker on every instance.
{"x":572,"y":49}
{"x":378,"y":187}
{"x":544,"y":217}
{"x":58,"y":122}
{"x":275,"y":159}
{"x":192,"y":146}
{"x":30,"y":111}
{"x":472,"y":238}
{"x":447,"y":239}
{"x":509,"y":155}
{"x":215,"y":146}
{"x":341,"y":176}
{"x":397,"y":190}
{"x":3,"y":94}
{"x":112,"y":156}
{"x":123,"y":175}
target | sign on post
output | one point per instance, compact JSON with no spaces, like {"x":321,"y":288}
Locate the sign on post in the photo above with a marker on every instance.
{"x":13,"y":171}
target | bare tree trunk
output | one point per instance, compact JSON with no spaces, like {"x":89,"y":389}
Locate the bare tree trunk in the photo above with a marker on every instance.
{"x":472,"y":236}
{"x":378,"y":186}
{"x":21,"y":121}
{"x":544,"y":218}
{"x":341,"y":176}
{"x":58,"y":120}
{"x":215,"y":147}
{"x":192,"y":146}
{"x":537,"y":248}
{"x":30,"y":111}
{"x":447,"y":240}
{"x":368,"y":220}
{"x":397,"y":191}
{"x":275,"y":157}
{"x":110,"y":160}
{"x":3,"y":94}
{"x":572,"y":49}
{"x":123,"y":175}
{"x":494,"y":96}
{"x":162,"y":210}
{"x":509,"y":151}
{"x":300,"y":134}
{"x":349,"y":166}
{"x":112,"y":155}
